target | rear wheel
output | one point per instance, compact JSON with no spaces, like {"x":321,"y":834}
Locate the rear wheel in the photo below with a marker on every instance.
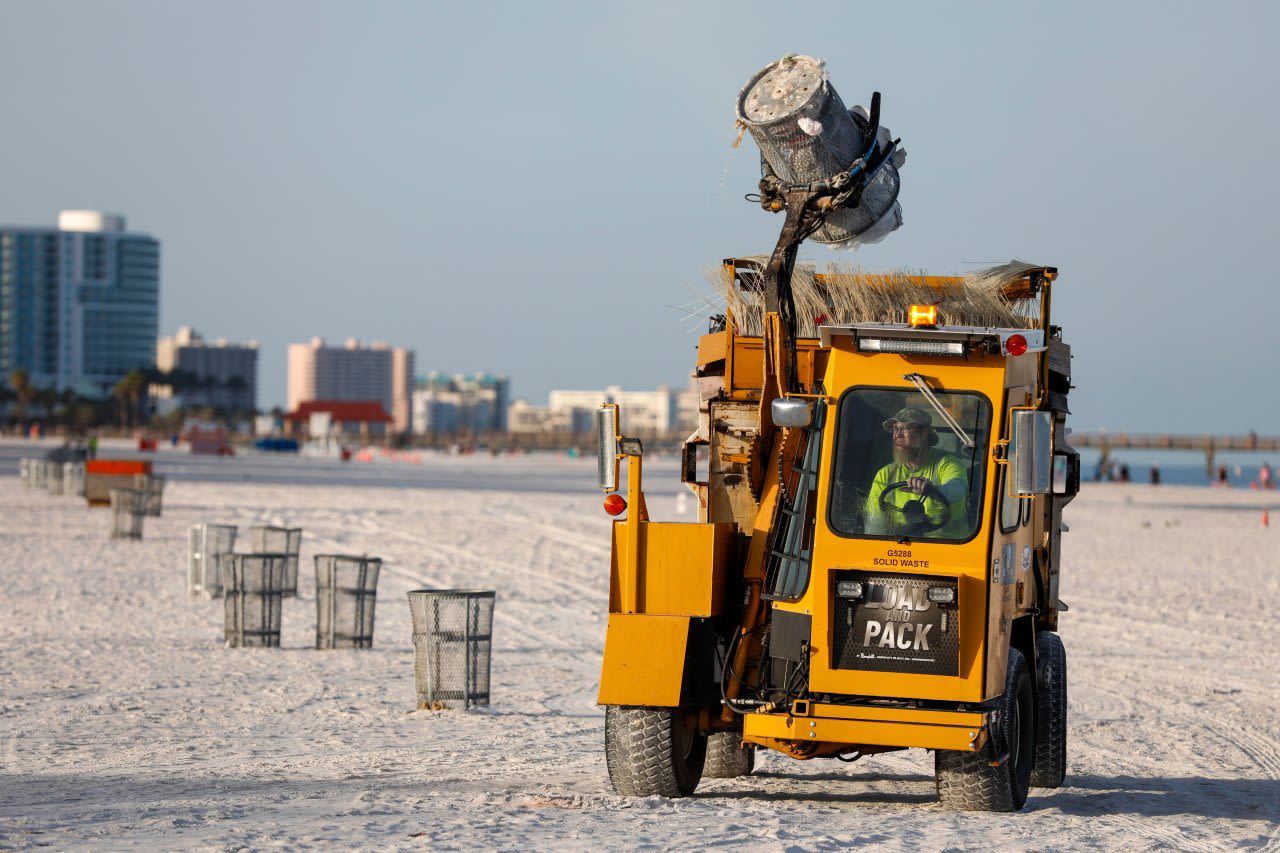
{"x":968,"y":780}
{"x":1050,"y":767}
{"x":652,"y":751}
{"x":727,"y":758}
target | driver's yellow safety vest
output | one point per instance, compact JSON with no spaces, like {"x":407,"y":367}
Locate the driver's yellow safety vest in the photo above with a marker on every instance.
{"x":938,"y":468}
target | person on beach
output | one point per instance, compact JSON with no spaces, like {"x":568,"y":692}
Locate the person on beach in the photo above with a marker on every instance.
{"x":1264,"y":476}
{"x":927,"y":473}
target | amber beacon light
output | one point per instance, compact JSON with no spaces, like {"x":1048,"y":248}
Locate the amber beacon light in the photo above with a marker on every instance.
{"x":922,"y":315}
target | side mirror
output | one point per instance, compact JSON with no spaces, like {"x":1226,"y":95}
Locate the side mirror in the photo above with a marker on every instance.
{"x":1031,"y":453}
{"x":1066,"y":473}
{"x":607,"y":446}
{"x":789,"y":412}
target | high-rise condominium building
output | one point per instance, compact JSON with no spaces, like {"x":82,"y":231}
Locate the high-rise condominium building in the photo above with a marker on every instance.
{"x":352,"y":372}
{"x":210,"y":373}
{"x":475,"y":404}
{"x":80,"y":303}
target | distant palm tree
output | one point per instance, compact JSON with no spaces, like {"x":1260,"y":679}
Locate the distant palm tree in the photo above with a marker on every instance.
{"x":129,"y":390}
{"x":20,"y":382}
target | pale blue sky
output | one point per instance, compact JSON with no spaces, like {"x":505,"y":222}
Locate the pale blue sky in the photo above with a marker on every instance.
{"x":528,"y":188}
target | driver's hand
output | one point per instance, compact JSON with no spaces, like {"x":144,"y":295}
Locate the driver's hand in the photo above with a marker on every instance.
{"x":917,"y":485}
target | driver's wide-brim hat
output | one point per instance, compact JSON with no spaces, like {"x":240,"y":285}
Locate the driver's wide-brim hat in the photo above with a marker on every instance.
{"x":912,"y":415}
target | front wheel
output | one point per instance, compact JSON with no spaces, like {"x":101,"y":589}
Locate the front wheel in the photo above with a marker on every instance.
{"x":1051,"y":720}
{"x":996,"y":777}
{"x":652,"y":751}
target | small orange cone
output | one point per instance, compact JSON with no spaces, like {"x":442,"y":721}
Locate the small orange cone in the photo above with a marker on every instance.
{"x":1266,"y":518}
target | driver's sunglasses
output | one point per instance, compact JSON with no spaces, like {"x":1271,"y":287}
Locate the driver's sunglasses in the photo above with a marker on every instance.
{"x":905,"y":428}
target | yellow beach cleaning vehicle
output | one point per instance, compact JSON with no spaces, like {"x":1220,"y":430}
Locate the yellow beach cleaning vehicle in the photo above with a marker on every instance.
{"x":828,"y":603}
{"x":880,"y":467}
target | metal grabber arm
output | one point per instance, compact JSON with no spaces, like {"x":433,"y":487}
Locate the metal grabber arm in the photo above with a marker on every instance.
{"x":807,"y":207}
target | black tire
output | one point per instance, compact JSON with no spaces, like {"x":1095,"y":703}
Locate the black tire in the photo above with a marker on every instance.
{"x":651,"y":751}
{"x":1050,"y":767}
{"x":726,"y":758}
{"x":967,"y":781}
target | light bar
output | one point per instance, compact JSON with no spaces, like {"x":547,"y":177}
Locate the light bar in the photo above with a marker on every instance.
{"x":849,"y":589}
{"x":942,"y":594}
{"x":911,"y":346}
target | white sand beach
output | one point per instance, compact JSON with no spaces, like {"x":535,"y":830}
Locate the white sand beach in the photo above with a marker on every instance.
{"x":126,"y":723}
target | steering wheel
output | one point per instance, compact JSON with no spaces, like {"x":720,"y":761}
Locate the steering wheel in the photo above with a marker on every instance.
{"x":912,"y":512}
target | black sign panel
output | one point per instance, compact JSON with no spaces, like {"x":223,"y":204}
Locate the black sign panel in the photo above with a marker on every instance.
{"x":894,"y":627}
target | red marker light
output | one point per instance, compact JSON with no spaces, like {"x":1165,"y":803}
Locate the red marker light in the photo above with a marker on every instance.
{"x":615,"y":505}
{"x":1015,"y":345}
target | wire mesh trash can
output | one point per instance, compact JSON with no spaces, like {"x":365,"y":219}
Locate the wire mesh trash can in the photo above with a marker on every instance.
{"x":153,"y":486}
{"x":805,"y":133}
{"x":207,"y":544}
{"x":452,"y":640}
{"x":73,"y":479}
{"x":253,"y":589}
{"x":345,"y":590}
{"x":265,"y":539}
{"x":126,"y":513}
{"x":53,"y":477}
{"x":38,"y":471}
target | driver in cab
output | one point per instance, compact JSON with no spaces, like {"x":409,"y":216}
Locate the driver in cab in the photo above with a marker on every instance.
{"x":923,"y":489}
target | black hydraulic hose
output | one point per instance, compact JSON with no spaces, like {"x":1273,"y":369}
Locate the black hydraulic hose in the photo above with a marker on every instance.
{"x":873,"y":126}
{"x":728,"y":671}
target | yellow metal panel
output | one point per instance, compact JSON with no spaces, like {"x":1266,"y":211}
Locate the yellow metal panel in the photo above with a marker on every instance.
{"x":681,"y":570}
{"x":643,"y":660}
{"x":762,"y":727}
{"x":968,"y":562}
{"x":890,"y":714}
{"x":747,"y":364}
{"x":619,"y":566}
{"x":712,"y":347}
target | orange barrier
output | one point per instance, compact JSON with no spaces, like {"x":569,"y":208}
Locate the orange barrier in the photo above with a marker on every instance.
{"x":103,"y":475}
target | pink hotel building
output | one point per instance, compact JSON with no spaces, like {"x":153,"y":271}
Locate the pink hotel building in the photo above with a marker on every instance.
{"x":378,"y":372}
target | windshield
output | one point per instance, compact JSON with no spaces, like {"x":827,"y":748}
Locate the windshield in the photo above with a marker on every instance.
{"x":901,"y":472}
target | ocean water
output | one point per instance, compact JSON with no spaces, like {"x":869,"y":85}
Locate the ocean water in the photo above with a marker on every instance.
{"x":1180,"y":468}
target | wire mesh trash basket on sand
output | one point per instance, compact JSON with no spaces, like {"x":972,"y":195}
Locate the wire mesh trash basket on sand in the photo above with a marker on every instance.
{"x":452,"y":639}
{"x":207,"y":544}
{"x":126,"y":513}
{"x":73,"y":479}
{"x":345,"y":590}
{"x":37,"y":472}
{"x":153,"y":486}
{"x":253,"y":586}
{"x":53,"y":477}
{"x":265,"y":539}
